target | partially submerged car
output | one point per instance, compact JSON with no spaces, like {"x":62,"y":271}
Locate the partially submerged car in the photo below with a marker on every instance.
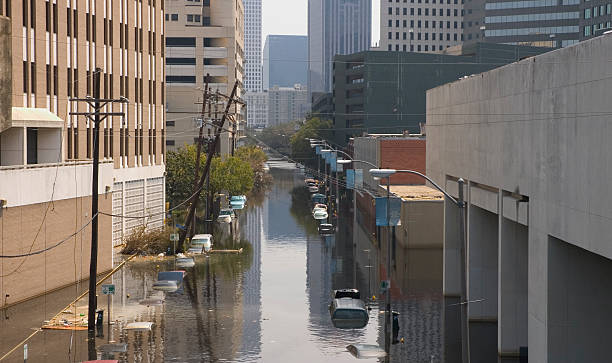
{"x":169,"y":281}
{"x":226,"y":216}
{"x":203,"y":241}
{"x":319,"y":214}
{"x":326,"y":229}
{"x":348,"y":313}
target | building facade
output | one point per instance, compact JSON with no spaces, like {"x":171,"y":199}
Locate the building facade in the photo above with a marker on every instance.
{"x":538,"y":217}
{"x":335,"y":27}
{"x":46,"y":153}
{"x":384,"y":92}
{"x":257,"y":109}
{"x":544,"y":23}
{"x":417,"y":26}
{"x":595,"y":18}
{"x":252,"y":46}
{"x":285,"y":61}
{"x":287,"y":104}
{"x":206,"y":39}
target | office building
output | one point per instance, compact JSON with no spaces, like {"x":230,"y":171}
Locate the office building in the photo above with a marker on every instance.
{"x":257,"y":109}
{"x":202,"y":40}
{"x":595,"y":18}
{"x":384,"y":92}
{"x":335,"y":27}
{"x":285,"y":61}
{"x":49,"y":51}
{"x":287,"y":104}
{"x":542,"y":23}
{"x":252,"y":46}
{"x":420,"y":26}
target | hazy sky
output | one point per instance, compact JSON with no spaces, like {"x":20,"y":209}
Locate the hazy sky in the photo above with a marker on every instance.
{"x":291,"y":17}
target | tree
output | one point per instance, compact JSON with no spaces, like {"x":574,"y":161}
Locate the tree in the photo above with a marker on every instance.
{"x":257,"y":158}
{"x":232,"y":175}
{"x":313,"y":128}
{"x":180,"y":174}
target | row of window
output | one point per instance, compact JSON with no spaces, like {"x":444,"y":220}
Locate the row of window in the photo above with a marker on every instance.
{"x":418,"y":47}
{"x":186,"y":61}
{"x":426,"y":36}
{"x":532,"y":31}
{"x":420,"y":23}
{"x":532,"y":17}
{"x":597,"y":11}
{"x":591,"y":29}
{"x":427,"y":2}
{"x":528,"y":4}
{"x":434,"y":12}
{"x":187,"y":42}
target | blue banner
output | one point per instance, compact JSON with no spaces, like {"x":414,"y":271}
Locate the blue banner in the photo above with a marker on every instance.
{"x":318,"y":150}
{"x":395,"y":211}
{"x":358,"y":178}
{"x":332,"y":161}
{"x":350,"y":179}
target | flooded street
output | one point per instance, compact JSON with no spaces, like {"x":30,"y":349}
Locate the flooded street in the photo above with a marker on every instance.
{"x":267,"y":304}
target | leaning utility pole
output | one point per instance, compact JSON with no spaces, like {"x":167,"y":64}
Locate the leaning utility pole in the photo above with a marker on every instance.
{"x":199,"y":148}
{"x":206,"y":170}
{"x":96,"y":117}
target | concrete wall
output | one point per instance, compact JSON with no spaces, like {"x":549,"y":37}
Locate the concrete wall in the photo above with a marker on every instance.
{"x":532,"y":141}
{"x":421,"y":224}
{"x":38,"y":226}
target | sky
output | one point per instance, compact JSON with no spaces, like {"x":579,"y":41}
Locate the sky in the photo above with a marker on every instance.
{"x":290,"y":17}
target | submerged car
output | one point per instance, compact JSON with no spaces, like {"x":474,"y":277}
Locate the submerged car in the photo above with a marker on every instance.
{"x":226,"y":216}
{"x":326,"y":228}
{"x":348,"y":313}
{"x":313,"y":188}
{"x":319,"y":214}
{"x":317,"y":198}
{"x":238,"y":201}
{"x":185,"y":262}
{"x":169,"y":281}
{"x":203,"y":241}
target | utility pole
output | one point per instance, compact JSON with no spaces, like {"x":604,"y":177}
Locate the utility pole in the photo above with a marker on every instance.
{"x":206,"y":170}
{"x":199,"y":150}
{"x":96,"y":117}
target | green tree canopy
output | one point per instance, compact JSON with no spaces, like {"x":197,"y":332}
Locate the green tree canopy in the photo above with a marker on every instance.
{"x":232,"y":175}
{"x":313,"y":128}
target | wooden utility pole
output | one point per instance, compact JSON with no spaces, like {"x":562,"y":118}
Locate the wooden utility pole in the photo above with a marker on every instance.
{"x":96,"y":117}
{"x":206,"y":170}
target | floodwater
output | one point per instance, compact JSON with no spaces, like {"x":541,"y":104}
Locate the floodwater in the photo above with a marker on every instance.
{"x":268,"y":304}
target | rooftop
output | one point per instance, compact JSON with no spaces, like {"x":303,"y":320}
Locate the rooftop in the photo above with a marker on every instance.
{"x":415,"y":192}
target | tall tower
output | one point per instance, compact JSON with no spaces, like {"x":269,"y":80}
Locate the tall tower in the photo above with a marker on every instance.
{"x":335,"y":27}
{"x":252,"y":45}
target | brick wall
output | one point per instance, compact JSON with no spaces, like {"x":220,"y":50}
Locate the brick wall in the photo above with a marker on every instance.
{"x":403,"y":154}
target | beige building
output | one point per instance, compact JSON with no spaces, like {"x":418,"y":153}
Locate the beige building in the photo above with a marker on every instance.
{"x":48,"y":52}
{"x":202,"y":38}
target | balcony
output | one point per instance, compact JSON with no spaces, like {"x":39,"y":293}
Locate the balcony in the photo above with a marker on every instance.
{"x":215,"y":52}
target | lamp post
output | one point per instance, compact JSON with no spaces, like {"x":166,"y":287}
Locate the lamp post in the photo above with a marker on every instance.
{"x":459,"y":202}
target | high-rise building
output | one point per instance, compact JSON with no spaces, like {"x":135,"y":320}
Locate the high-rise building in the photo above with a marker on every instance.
{"x":335,"y":27}
{"x":201,"y":40}
{"x":252,"y":45}
{"x":287,"y":104}
{"x":595,"y":18}
{"x":49,"y":52}
{"x":420,"y":26}
{"x":285,"y":61}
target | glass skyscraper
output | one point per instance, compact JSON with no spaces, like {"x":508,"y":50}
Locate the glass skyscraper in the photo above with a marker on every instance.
{"x":335,"y":27}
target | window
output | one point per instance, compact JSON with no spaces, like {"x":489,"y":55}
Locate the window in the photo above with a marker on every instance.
{"x":174,"y":17}
{"x":411,"y":11}
{"x":609,"y":6}
{"x":426,"y":46}
{"x":405,"y":12}
{"x":190,"y":18}
{"x":419,"y":11}
{"x":426,"y":11}
{"x":180,"y":42}
{"x":390,"y":11}
{"x":390,"y":35}
{"x":426,"y":23}
{"x":397,"y":23}
{"x":170,"y":123}
{"x":404,"y":24}
{"x":595,"y":11}
{"x":587,"y":31}
{"x":169,"y":142}
{"x":404,"y":36}
{"x":180,"y":79}
{"x":182,"y":61}
{"x":389,"y":47}
{"x":390,"y":23}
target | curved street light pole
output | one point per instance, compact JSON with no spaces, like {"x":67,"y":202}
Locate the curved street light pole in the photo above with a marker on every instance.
{"x":460,"y":202}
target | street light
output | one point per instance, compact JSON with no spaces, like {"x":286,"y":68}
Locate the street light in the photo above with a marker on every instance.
{"x":465,"y":347}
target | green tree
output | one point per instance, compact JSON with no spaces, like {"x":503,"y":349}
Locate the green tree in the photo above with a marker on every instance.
{"x":313,"y":128}
{"x":180,"y":174}
{"x":232,"y":175}
{"x":257,"y":158}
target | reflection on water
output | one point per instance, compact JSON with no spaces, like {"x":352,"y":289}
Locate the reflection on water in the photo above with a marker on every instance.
{"x":270,"y":303}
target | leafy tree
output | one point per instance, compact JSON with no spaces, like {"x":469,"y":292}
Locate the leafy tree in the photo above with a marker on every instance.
{"x":256,"y":157}
{"x":313,"y":128}
{"x":180,"y":174}
{"x":232,"y":175}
